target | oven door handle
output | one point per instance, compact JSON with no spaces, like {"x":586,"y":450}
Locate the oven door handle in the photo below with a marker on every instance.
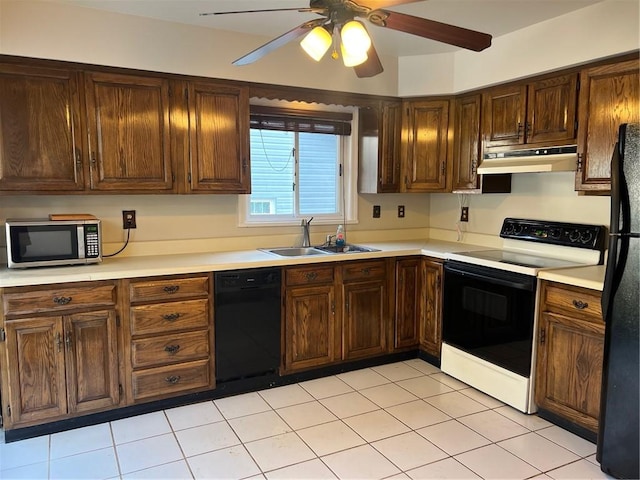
{"x":496,"y":281}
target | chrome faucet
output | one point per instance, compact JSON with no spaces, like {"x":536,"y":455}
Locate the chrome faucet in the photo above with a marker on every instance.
{"x":306,"y":240}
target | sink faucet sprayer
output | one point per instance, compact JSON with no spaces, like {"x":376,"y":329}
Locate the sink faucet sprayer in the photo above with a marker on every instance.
{"x":306,"y":240}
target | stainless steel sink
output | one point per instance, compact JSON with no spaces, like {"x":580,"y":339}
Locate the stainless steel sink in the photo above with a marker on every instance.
{"x":295,"y":251}
{"x":320,"y":250}
{"x":348,"y":248}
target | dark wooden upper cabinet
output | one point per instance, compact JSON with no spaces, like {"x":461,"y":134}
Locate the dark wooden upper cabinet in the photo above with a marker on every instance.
{"x":551,"y":110}
{"x":379,"y":163}
{"x":41,"y":137}
{"x":128,"y":126}
{"x":504,"y":115}
{"x":467,"y":148}
{"x":425,"y":136}
{"x":218,"y":138}
{"x":539,"y":113}
{"x":609,"y":96}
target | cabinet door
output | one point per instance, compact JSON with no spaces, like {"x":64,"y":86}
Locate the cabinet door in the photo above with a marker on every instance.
{"x":379,"y":129}
{"x":504,"y":115}
{"x":609,"y":96}
{"x":92,"y":362}
{"x":35,"y":369}
{"x":569,"y":368}
{"x":551,"y":111}
{"x":128,"y":122}
{"x":466,"y":150}
{"x":425,"y":158}
{"x":40,"y":132}
{"x":365,"y":319}
{"x":311,"y":335}
{"x":431,"y":324}
{"x":408,"y":296}
{"x":219,"y":138}
{"x":390,"y":151}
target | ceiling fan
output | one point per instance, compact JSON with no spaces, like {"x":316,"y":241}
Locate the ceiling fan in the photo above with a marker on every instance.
{"x":338,"y":20}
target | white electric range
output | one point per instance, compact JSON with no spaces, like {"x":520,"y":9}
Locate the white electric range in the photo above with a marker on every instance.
{"x":490,"y":302}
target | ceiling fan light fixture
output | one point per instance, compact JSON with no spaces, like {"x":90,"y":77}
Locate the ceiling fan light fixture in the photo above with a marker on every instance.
{"x":317,"y":42}
{"x":352,"y":59}
{"x":355,"y":38}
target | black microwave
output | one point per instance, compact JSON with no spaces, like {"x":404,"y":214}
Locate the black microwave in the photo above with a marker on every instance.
{"x":43,"y":243}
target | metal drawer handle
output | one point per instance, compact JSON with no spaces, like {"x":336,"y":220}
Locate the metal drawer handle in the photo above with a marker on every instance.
{"x":173,"y":379}
{"x":62,"y":300}
{"x":366,"y":271}
{"x":580,"y":305}
{"x":172,"y":349}
{"x":171,"y":317}
{"x":311,"y":276}
{"x":171,"y":288}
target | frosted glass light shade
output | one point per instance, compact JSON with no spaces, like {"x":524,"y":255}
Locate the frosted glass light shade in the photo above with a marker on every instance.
{"x":351,"y":60}
{"x":355,"y":38}
{"x":316,"y":43}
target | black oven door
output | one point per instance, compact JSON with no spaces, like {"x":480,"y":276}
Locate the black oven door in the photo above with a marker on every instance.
{"x":489,"y":313}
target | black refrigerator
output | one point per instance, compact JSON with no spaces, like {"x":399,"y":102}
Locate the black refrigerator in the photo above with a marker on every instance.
{"x":618,"y":446}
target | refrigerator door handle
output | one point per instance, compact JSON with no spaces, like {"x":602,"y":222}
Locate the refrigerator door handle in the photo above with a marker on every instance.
{"x":614,"y":228}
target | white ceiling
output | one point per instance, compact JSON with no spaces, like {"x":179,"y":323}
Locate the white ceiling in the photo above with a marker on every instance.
{"x":496,"y":17}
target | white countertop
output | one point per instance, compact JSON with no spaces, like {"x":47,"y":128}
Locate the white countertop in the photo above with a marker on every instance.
{"x":586,"y":277}
{"x":171,"y":264}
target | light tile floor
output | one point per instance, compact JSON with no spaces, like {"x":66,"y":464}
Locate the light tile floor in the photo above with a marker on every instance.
{"x":402,"y":420}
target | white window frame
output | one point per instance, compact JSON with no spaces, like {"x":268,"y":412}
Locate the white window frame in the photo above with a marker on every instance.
{"x":348,"y":195}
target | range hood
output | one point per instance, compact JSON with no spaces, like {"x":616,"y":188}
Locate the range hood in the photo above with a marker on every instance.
{"x":553,"y":159}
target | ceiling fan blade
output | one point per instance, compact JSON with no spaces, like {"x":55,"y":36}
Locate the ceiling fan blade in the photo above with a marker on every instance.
{"x":301,"y":9}
{"x":376,"y":4}
{"x":371,"y":67}
{"x":278,"y":42}
{"x":422,"y":27}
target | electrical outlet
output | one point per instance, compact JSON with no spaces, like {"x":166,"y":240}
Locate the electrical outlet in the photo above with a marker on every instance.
{"x":376,"y":211}
{"x":464,"y":214}
{"x":128,"y":219}
{"x":400,"y":211}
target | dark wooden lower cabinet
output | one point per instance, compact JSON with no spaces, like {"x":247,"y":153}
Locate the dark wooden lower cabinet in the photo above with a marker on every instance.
{"x":408,"y":278}
{"x":570,"y":352}
{"x":431,"y":303}
{"x":335,"y":313}
{"x":310,"y":327}
{"x":60,"y":366}
{"x":365,"y":309}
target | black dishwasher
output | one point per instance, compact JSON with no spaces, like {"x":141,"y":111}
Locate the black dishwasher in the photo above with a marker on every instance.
{"x":247,"y":323}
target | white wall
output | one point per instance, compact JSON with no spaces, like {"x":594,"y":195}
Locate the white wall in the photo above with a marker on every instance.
{"x":209,"y":222}
{"x":542,"y":196}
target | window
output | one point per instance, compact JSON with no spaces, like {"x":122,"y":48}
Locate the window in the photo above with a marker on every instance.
{"x":300,"y":167}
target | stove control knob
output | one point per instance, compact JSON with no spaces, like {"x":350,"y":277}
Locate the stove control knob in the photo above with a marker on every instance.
{"x":586,"y":237}
{"x":518,"y":229}
{"x":574,"y":236}
{"x":555,"y":233}
{"x":508,"y":229}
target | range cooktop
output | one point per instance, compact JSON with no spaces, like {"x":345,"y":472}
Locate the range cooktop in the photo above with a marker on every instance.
{"x":534,"y":245}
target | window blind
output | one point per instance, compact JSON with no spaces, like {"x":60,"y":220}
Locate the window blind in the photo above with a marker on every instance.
{"x":293,"y":120}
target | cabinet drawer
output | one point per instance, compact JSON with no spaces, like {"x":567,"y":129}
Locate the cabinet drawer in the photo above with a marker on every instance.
{"x":309,"y":275}
{"x":168,"y":349}
{"x":168,"y":289}
{"x":363,"y":271}
{"x":171,"y":380}
{"x":19,"y":301}
{"x":168,"y":317}
{"x":573,"y":300}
